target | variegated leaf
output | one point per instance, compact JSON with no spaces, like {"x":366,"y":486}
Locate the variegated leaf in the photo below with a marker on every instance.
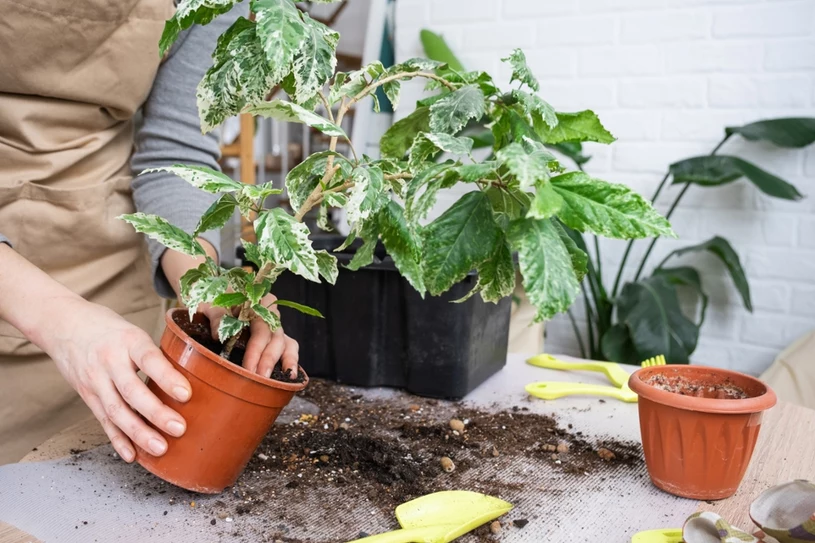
{"x":521,"y":71}
{"x":528,"y":168}
{"x":452,"y":112}
{"x":189,"y":12}
{"x":426,"y":146}
{"x":351,"y":84}
{"x":217,"y":215}
{"x":201,"y":177}
{"x":281,"y":31}
{"x":165,"y":233}
{"x":368,"y":194}
{"x":315,"y":61}
{"x":291,"y":112}
{"x":327,"y":266}
{"x":203,"y":291}
{"x":286,"y":243}
{"x":230,"y":327}
{"x":402,"y":244}
{"x":268,"y":316}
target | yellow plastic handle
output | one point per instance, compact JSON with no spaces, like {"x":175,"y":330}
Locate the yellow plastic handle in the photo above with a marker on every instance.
{"x":659,"y":536}
{"x":426,"y":534}
{"x":613,"y":371}
{"x":555,"y":390}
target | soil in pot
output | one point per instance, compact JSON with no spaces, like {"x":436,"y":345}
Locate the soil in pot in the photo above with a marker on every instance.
{"x":684,"y":386}
{"x":199,"y":329}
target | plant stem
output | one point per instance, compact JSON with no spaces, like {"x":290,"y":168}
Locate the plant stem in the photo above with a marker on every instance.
{"x":317,"y":193}
{"x":589,"y":320}
{"x":263,"y":272}
{"x":597,"y":256}
{"x":328,"y":110}
{"x":671,"y":210}
{"x":577,"y":334}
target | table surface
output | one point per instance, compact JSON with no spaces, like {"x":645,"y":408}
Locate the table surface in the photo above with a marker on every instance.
{"x":785,"y":452}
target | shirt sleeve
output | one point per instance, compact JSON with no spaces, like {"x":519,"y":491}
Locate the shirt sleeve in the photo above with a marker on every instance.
{"x":170,"y":133}
{"x":4,"y":239}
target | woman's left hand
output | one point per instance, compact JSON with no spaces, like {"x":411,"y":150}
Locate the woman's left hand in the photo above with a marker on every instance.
{"x":265,"y":347}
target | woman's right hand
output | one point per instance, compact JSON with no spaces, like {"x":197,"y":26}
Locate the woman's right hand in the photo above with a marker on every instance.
{"x":99,"y":353}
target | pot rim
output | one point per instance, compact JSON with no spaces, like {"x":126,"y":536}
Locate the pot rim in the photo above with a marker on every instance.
{"x":756,"y":404}
{"x":203,"y":351}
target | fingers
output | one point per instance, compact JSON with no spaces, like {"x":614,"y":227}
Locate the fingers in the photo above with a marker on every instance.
{"x":258,"y":340}
{"x":149,"y":359}
{"x":141,"y":399}
{"x":271,"y":354}
{"x":120,"y":414}
{"x":291,"y":357}
{"x":121,"y":444}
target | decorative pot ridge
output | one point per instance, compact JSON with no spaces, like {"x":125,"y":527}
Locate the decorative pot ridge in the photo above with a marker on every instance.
{"x":228,"y":415}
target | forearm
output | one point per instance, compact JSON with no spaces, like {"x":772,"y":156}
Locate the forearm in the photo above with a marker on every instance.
{"x":175,"y":264}
{"x":30,"y":300}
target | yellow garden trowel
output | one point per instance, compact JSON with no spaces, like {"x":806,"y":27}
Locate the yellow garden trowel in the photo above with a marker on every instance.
{"x":441,"y":517}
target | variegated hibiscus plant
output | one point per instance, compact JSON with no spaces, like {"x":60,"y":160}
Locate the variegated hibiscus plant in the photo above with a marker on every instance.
{"x":520,"y":199}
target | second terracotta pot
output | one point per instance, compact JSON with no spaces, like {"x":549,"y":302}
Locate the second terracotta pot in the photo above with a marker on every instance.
{"x":697,"y":447}
{"x":229,"y":413}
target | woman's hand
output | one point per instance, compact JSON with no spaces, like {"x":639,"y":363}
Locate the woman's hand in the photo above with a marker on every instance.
{"x":265,"y":347}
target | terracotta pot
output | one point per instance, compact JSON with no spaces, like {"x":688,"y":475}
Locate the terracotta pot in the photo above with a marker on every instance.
{"x":699,"y":447}
{"x":229,"y":413}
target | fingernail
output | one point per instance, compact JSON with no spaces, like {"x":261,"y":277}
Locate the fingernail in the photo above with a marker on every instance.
{"x":268,"y":373}
{"x":157,"y":446}
{"x":127,"y":454}
{"x":181,"y":394}
{"x":175,"y":428}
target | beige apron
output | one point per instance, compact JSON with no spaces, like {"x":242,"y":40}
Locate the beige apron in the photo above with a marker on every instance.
{"x":72,"y":76}
{"x":792,"y":375}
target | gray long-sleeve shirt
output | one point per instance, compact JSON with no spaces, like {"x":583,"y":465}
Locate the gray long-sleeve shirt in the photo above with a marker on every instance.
{"x":170,"y":133}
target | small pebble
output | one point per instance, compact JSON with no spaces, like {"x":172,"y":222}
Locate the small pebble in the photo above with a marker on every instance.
{"x":222,"y":515}
{"x":606,"y":454}
{"x":495,"y":527}
{"x":212,"y":522}
{"x":324,"y":459}
{"x":549,"y":448}
{"x":562,"y":447}
{"x":456,"y":425}
{"x":520,"y":523}
{"x":263,"y":457}
{"x":345,"y":426}
{"x":447,"y":465}
{"x":414,"y":408}
{"x":495,"y":452}
{"x":192,"y":504}
{"x":554,"y":457}
{"x":228,"y":519}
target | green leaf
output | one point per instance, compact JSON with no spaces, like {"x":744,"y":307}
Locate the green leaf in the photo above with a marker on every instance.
{"x":508,"y":204}
{"x":581,"y":126}
{"x":201,"y":177}
{"x":459,"y":240}
{"x":256,"y":291}
{"x":364,"y":255}
{"x":239,"y":278}
{"x":368,"y":194}
{"x":471,"y":173}
{"x":795,"y":132}
{"x":617,"y":346}
{"x":546,"y":266}
{"x":528,"y":168}
{"x":165,"y":233}
{"x":420,"y":195}
{"x":521,"y":71}
{"x":192,"y":276}
{"x":303,"y":178}
{"x":301,"y":308}
{"x":230,"y":327}
{"x":725,"y":252}
{"x":229,"y":299}
{"x":537,"y":109}
{"x":315,"y":61}
{"x":260,"y":192}
{"x":268,"y":316}
{"x":203,"y":290}
{"x":401,"y":243}
{"x":546,"y":203}
{"x":451,"y":113}
{"x":392,"y":90}
{"x":436,"y":48}
{"x":286,"y":242}
{"x":572,"y":150}
{"x":217,"y":215}
{"x":650,"y":308}
{"x":399,"y":137}
{"x":189,"y":12}
{"x":351,"y":84}
{"x":290,"y":112}
{"x":240,"y":75}
{"x":687,"y":277}
{"x":496,"y":276}
{"x":710,"y":171}
{"x":426,"y":146}
{"x":577,"y":250}
{"x":281,"y":33}
{"x":327,"y":266}
{"x":607,"y":209}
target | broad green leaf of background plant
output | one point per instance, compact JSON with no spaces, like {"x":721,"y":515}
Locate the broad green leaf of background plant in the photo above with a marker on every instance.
{"x":402,"y":244}
{"x":426,"y":146}
{"x":581,"y":126}
{"x":189,"y":12}
{"x":687,"y":277}
{"x":458,"y":241}
{"x":528,"y":168}
{"x":608,"y":209}
{"x":617,"y":346}
{"x":711,"y":171}
{"x":292,"y":113}
{"x":399,"y":137}
{"x":217,"y":215}
{"x":281,"y":32}
{"x":368,"y":194}
{"x":303,"y":178}
{"x":327,"y":266}
{"x":201,"y":177}
{"x":286,"y":242}
{"x":165,"y":233}
{"x":240,"y":75}
{"x":300,"y":307}
{"x":650,"y":308}
{"x":521,"y":71}
{"x":546,"y":266}
{"x":229,"y":327}
{"x":436,"y":48}
{"x":537,"y":109}
{"x":573,"y":150}
{"x":316,"y":61}
{"x":451,"y":113}
{"x":725,"y":252}
{"x":794,"y":132}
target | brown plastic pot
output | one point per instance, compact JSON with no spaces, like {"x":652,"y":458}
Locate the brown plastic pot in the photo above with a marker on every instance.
{"x":229,"y":413}
{"x":699,"y":447}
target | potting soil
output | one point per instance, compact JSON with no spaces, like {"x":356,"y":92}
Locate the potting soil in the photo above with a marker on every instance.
{"x":344,"y":458}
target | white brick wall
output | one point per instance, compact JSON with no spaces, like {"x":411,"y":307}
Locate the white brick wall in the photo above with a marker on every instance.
{"x":666,"y":76}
